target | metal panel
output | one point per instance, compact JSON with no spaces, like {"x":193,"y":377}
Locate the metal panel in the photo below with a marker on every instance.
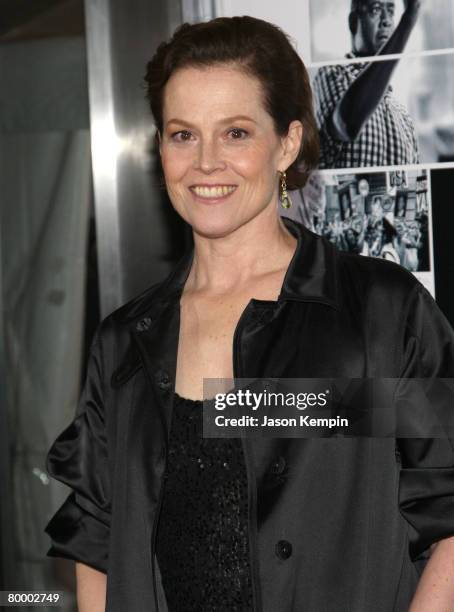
{"x":198,"y":10}
{"x":132,"y":211}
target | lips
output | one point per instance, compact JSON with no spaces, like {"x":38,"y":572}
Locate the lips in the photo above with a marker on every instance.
{"x":211,"y":192}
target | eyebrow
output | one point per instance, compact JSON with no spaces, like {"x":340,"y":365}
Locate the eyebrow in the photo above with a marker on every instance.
{"x":222,"y":121}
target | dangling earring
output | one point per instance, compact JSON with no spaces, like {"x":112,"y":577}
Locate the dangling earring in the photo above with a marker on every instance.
{"x":284,"y":197}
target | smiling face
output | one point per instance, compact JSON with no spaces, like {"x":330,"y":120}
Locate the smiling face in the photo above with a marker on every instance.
{"x":219,"y":149}
{"x":375,"y":26}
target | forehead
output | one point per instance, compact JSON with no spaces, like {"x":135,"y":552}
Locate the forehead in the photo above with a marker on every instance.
{"x":209,"y":92}
{"x":383,"y":3}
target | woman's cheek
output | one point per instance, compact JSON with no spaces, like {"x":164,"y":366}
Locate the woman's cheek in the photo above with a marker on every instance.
{"x":175,"y":165}
{"x":249,"y":161}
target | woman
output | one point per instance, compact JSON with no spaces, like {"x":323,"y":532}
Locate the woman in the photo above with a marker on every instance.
{"x":179,"y":522}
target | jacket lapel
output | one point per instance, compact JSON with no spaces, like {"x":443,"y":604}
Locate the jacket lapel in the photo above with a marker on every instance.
{"x":153,"y":318}
{"x":158,"y":348}
{"x":154,"y":325}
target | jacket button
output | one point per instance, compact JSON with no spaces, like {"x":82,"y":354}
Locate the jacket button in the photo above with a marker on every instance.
{"x":278,"y":466}
{"x":143,"y":324}
{"x":163,"y":380}
{"x":283,"y":549}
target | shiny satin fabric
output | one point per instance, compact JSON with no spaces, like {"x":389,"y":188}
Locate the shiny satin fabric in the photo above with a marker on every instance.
{"x":359,"y":514}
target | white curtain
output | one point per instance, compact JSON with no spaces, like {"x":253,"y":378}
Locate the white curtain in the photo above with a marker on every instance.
{"x":45,"y":187}
{"x":45,"y":199}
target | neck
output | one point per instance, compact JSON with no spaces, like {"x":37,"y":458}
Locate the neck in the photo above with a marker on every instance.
{"x":228,"y":264}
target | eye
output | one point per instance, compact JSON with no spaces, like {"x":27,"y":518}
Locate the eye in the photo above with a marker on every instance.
{"x":181,"y":136}
{"x":237,"y":133}
{"x":375,"y":9}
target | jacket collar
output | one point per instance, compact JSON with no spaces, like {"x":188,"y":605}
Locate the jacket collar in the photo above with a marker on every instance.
{"x":312,"y":276}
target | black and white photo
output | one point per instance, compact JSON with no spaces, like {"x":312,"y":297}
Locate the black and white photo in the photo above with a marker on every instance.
{"x":380,"y":214}
{"x":409,"y":122}
{"x":330,"y":38}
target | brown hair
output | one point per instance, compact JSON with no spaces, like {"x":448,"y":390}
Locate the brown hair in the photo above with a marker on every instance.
{"x":262,"y":50}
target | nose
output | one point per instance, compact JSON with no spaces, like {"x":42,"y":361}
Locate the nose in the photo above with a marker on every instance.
{"x":209,"y":156}
{"x":386,"y":18}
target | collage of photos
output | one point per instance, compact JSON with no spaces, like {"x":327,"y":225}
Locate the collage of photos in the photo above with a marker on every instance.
{"x":375,"y":112}
{"x":384,"y":104}
{"x":378,"y":214}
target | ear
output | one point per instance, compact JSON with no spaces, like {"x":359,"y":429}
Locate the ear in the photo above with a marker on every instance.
{"x":291,"y":143}
{"x":158,"y":140}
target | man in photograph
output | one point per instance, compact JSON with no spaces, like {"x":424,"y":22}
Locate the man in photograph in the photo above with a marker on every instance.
{"x":361,"y":122}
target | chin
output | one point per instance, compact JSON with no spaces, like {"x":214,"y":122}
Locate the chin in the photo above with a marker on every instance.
{"x":219,"y":221}
{"x":213,"y":228}
{"x":218,"y":224}
{"x":380,"y":44}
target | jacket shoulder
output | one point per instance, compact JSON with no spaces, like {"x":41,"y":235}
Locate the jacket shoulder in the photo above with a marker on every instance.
{"x":128,"y":314}
{"x":381,"y":291}
{"x":372,"y":274}
{"x":139,"y":305}
{"x":112,"y":340}
{"x":147,"y":303}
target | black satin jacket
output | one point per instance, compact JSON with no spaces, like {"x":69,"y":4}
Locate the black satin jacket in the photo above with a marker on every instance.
{"x":335,"y":524}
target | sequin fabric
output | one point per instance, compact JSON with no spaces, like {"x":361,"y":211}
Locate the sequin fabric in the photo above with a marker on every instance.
{"x":202,"y":540}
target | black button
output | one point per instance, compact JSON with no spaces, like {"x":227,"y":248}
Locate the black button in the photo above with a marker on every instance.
{"x":278,"y":466}
{"x":283,"y":549}
{"x":163,"y":379}
{"x":143,"y":324}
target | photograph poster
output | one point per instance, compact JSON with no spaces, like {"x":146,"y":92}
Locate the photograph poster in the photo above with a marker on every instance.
{"x":377,"y":214}
{"x":384,"y":105}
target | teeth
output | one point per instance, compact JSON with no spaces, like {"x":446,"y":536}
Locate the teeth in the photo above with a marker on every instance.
{"x":213,"y":192}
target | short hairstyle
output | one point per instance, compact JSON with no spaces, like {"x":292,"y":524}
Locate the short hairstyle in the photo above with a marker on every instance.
{"x":261,"y":50}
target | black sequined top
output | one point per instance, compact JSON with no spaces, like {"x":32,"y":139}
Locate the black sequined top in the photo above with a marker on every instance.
{"x":202,"y":540}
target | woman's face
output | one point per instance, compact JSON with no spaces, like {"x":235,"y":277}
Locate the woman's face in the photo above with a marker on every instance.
{"x":220,"y":152}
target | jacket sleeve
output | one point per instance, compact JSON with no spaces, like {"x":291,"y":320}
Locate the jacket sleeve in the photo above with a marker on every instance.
{"x":426,"y":490}
{"x":80,"y":528}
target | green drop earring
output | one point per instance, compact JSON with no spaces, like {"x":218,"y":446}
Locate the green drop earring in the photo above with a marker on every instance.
{"x":284,"y":197}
